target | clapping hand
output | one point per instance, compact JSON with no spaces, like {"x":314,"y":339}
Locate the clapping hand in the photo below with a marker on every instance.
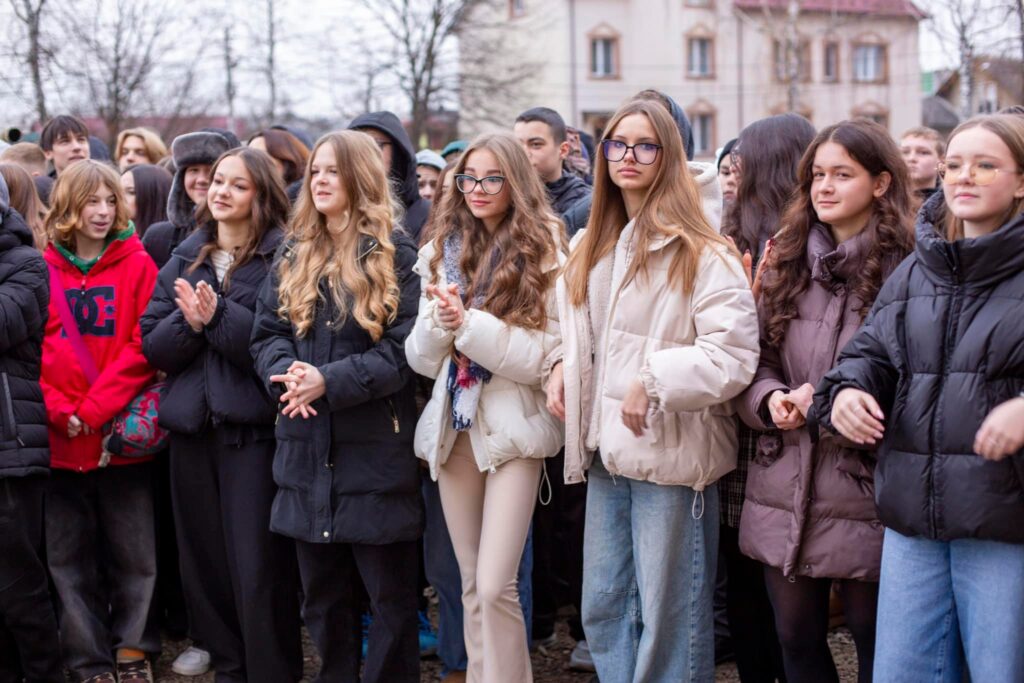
{"x":191,"y":305}
{"x":450,"y":310}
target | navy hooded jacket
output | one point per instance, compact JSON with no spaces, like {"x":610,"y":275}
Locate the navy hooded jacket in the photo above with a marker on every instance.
{"x":403,"y":168}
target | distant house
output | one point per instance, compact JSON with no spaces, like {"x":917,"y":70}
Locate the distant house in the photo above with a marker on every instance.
{"x":722,"y":60}
{"x":998,"y":83}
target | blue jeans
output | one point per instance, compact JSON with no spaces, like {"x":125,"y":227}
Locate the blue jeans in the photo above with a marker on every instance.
{"x":943,"y":602}
{"x":649,"y":576}
{"x":443,"y":574}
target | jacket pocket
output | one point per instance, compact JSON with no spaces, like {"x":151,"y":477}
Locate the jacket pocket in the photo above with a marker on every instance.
{"x":769,"y":449}
{"x":8,"y":424}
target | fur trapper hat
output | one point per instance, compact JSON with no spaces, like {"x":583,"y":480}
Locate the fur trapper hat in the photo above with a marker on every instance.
{"x":193,"y":149}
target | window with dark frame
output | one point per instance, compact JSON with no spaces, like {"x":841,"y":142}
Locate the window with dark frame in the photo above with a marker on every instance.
{"x":803,"y":60}
{"x":703,"y":134}
{"x":869,"y":63}
{"x":603,"y":57}
{"x":700,"y":57}
{"x":831,"y":62}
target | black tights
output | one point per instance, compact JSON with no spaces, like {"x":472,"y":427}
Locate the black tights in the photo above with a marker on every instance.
{"x":801,"y":618}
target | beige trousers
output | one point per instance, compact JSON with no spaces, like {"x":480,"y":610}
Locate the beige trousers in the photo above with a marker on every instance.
{"x":488,"y":518}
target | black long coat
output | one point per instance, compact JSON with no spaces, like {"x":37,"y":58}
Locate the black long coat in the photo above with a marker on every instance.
{"x":211,"y":377}
{"x":24,"y":301}
{"x":349,"y":474}
{"x":943,"y":346}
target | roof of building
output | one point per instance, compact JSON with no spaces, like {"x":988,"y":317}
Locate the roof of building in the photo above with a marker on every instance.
{"x":889,"y":8}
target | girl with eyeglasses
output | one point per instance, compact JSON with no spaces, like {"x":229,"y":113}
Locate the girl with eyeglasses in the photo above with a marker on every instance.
{"x":809,"y":515}
{"x":659,"y":332}
{"x":934,"y":380}
{"x":485,"y":334}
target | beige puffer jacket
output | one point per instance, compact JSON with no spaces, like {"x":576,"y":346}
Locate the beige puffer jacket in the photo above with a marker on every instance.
{"x":512,"y":419}
{"x":694,"y":354}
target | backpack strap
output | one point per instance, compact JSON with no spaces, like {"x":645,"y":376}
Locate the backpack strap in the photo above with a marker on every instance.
{"x":67,"y":321}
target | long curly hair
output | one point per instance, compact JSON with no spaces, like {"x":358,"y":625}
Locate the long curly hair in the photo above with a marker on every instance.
{"x":354,"y":264}
{"x":525,"y":243}
{"x":269,"y":209}
{"x":769,"y":151}
{"x":889,"y":226}
{"x":672,"y":208}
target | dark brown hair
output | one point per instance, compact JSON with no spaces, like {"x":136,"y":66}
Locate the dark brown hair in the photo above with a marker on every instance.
{"x":60,"y":127}
{"x":287,"y":149}
{"x":269,"y":207}
{"x":152,"y":185}
{"x":769,"y":151}
{"x":889,"y":226}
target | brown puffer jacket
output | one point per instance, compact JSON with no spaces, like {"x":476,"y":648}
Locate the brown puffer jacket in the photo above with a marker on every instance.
{"x":810,"y":508}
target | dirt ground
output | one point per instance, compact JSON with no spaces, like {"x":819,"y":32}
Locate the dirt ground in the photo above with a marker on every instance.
{"x":550,"y":665}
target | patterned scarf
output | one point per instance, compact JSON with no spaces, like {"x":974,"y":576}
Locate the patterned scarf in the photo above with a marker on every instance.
{"x":466,"y":379}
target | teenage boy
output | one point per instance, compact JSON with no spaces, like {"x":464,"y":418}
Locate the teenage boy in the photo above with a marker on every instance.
{"x":64,"y":140}
{"x":922,"y":149}
{"x":28,"y":155}
{"x":542,"y":134}
{"x":399,"y":157}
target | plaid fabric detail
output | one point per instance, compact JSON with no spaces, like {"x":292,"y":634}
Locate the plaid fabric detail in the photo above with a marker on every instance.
{"x":731,"y":487}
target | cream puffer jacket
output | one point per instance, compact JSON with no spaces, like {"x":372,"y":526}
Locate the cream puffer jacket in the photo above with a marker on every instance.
{"x":694,"y":353}
{"x":512,"y":419}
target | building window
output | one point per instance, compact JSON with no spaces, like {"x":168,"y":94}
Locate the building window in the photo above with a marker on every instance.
{"x":831,"y":62}
{"x":703,"y":134}
{"x":869,"y":64}
{"x":989,"y":100}
{"x":516,"y":8}
{"x":700,"y":58}
{"x":700,"y":3}
{"x":604,"y":57}
{"x":803,"y":61}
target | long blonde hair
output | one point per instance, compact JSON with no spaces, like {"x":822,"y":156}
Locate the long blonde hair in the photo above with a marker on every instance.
{"x":358,"y":261}
{"x":672,"y":208}
{"x":74,"y":186}
{"x":525,"y":241}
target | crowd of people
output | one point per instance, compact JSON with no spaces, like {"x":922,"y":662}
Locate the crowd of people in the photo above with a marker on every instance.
{"x":250,"y":387}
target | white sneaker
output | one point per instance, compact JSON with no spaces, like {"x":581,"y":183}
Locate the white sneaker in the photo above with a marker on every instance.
{"x":580,"y":659}
{"x":192,"y":662}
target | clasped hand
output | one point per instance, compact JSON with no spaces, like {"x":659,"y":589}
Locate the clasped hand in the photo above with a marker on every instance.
{"x":197,"y":305}
{"x":303,"y":384}
{"x":789,"y":409}
{"x":450,"y":310}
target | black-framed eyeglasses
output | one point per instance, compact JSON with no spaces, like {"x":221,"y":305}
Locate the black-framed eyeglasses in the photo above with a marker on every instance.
{"x":491,"y":184}
{"x":645,"y":153}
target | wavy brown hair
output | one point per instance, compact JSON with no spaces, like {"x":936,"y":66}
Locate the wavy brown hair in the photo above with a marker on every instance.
{"x":356,"y":261}
{"x":525,"y":242}
{"x":889,"y":226}
{"x":269,"y":208}
{"x":70,"y":194}
{"x":671,"y":208}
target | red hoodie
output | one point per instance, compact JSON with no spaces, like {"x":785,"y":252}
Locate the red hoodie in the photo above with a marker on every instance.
{"x":107,"y":302}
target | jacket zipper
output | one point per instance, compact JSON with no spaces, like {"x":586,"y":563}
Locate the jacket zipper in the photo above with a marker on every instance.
{"x":9,"y":423}
{"x":394,"y":415}
{"x":951,"y":328}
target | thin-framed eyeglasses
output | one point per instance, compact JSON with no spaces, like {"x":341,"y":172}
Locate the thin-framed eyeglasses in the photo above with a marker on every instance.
{"x":645,"y":153}
{"x":491,"y":184}
{"x":981,"y":173}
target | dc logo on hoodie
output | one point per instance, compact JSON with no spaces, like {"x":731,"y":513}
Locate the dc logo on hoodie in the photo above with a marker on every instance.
{"x":93,"y":310}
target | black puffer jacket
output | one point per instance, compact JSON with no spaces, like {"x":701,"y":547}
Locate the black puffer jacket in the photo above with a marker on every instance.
{"x":24,"y":298}
{"x":211,"y":377}
{"x":403,"y":168}
{"x":347,"y":475}
{"x":567,"y":191}
{"x":942,"y":347}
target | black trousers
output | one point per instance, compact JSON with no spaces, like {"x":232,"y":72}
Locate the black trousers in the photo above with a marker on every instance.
{"x":239,"y":579}
{"x":332,"y":610}
{"x":558,"y":552}
{"x":751,"y":619}
{"x":29,"y":648}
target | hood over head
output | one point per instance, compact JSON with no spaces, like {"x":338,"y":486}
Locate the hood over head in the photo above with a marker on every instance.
{"x":403,"y":156}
